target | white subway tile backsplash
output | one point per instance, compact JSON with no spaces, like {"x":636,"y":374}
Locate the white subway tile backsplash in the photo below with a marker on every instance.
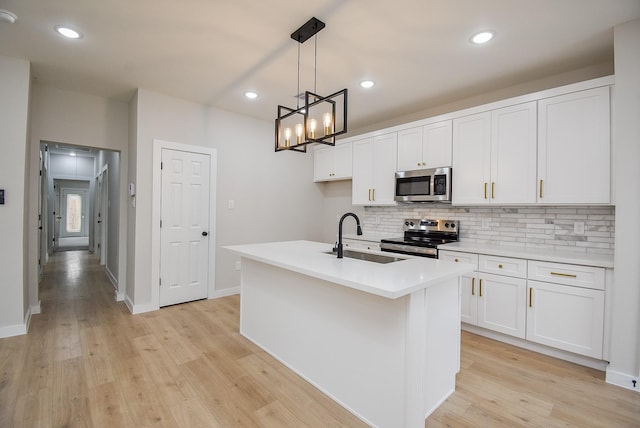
{"x":539,"y":227}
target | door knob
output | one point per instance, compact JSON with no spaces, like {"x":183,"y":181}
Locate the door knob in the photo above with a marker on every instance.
{"x":204,"y":234}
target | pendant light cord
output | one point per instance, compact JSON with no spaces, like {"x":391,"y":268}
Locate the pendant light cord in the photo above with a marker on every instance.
{"x":298,"y":93}
{"x":315,"y":63}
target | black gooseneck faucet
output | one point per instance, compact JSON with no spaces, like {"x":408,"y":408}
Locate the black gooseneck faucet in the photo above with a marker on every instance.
{"x":339,"y":247}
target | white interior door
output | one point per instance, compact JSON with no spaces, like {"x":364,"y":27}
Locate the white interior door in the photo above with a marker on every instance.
{"x":184,"y":230}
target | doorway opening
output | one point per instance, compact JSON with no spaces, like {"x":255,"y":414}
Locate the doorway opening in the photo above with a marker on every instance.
{"x":79,"y":207}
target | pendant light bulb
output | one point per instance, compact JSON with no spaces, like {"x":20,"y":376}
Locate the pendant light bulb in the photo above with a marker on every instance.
{"x":327,"y":121}
{"x":313,"y":125}
{"x":287,"y":137}
{"x":299,"y":132}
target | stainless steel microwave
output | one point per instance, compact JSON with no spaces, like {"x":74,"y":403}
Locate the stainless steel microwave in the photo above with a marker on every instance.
{"x":424,"y":185}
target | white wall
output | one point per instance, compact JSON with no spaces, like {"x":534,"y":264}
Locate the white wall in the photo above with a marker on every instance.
{"x":273,"y":193}
{"x":14,"y":106}
{"x":111,"y":159}
{"x":80,"y":119}
{"x":625,"y":339}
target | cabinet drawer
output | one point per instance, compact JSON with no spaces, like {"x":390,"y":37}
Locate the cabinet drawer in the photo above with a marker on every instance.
{"x":561,"y":273}
{"x":357,"y":244}
{"x":458,"y":257}
{"x":503,"y":266}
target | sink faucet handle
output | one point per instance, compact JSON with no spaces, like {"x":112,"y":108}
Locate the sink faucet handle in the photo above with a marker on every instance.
{"x":335,"y":247}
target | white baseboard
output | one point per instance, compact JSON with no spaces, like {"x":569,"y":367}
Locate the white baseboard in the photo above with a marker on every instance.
{"x":623,"y":380}
{"x":224,"y":292}
{"x":16,"y":329}
{"x":119,"y":296}
{"x":36,"y":309}
{"x":111,"y":277}
{"x":139,"y":309}
{"x":542,"y":349}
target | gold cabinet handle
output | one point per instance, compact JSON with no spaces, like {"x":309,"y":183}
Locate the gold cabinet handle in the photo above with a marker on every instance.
{"x":500,"y":266}
{"x":493,"y":188}
{"x":369,"y":194}
{"x":480,"y":287}
{"x":566,"y":275}
{"x":419,"y":163}
{"x":473,"y":286}
{"x":540,"y":188}
{"x":485,"y":190}
{"x":530,"y":297}
{"x":456,"y":260}
{"x":374,"y":194}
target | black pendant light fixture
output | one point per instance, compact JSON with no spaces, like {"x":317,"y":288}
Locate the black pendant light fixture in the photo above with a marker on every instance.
{"x":321,"y":118}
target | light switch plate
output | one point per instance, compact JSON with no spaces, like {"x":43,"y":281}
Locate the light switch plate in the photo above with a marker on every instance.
{"x":578,"y":227}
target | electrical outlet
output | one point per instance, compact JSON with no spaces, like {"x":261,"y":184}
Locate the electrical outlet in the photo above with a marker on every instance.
{"x":238,"y":265}
{"x":231,"y":205}
{"x":578,"y":227}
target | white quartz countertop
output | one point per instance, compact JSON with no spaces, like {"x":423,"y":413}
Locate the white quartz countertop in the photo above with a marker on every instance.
{"x":390,"y":280}
{"x":542,"y":254}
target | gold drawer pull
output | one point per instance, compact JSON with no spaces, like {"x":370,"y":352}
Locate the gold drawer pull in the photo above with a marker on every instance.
{"x":500,"y":266}
{"x":530,"y":297}
{"x":567,"y":275}
{"x":456,"y":260}
{"x":493,"y":188}
{"x":473,"y":286}
{"x":480,"y":287}
{"x":485,"y":190}
{"x":540,"y":189}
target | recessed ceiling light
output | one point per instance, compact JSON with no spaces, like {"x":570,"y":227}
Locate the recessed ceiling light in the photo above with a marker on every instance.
{"x":251,"y":95}
{"x":6,"y":16}
{"x":482,"y":37}
{"x":67,"y":32}
{"x":367,"y":84}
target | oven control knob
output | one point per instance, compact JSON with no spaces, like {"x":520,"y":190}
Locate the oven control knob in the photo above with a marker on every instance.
{"x":446,"y":225}
{"x":411,"y":223}
{"x":453,"y":225}
{"x":406,"y":223}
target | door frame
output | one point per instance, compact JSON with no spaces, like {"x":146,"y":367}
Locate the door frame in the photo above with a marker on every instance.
{"x":158,"y":146}
{"x":101,"y":214}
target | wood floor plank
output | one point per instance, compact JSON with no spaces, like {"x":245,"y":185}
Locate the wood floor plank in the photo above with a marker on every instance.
{"x":87,"y":362}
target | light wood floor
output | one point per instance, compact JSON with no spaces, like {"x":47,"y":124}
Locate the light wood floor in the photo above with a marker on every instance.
{"x":87,"y":362}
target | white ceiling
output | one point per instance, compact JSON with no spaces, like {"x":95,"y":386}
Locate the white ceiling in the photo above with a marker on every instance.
{"x":213,"y":51}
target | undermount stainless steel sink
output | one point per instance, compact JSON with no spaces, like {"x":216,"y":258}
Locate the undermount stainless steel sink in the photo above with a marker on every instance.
{"x":368,"y":257}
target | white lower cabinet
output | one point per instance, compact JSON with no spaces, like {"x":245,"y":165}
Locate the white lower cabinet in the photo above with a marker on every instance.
{"x":564,"y":317}
{"x":494,"y":302}
{"x":565,"y":307}
{"x":500,"y":304}
{"x":554,"y":304}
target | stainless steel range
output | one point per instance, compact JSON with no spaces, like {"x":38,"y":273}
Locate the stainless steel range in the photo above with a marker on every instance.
{"x":422,"y":237}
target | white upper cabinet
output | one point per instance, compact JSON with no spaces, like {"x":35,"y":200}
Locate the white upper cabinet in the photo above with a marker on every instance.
{"x":374,"y":166}
{"x":494,"y":156}
{"x":574,"y":148}
{"x":513,"y":154}
{"x":427,"y":146}
{"x":332,"y":163}
{"x":410,"y":149}
{"x":471,"y":159}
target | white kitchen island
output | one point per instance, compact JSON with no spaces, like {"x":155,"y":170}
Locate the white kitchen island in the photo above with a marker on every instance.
{"x":382,"y":340}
